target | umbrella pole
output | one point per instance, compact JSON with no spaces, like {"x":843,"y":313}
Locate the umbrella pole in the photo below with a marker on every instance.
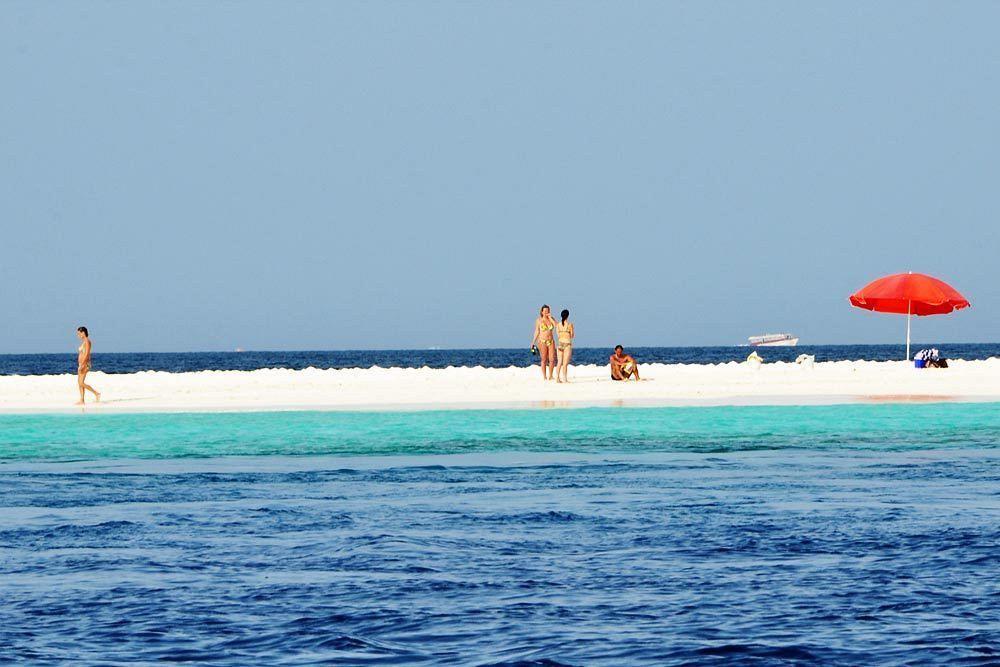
{"x":908,"y":305}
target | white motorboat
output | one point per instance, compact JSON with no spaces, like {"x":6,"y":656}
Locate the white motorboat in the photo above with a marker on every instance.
{"x":774,"y":340}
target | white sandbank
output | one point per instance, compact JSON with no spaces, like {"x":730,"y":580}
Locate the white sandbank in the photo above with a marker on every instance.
{"x":468,"y":388}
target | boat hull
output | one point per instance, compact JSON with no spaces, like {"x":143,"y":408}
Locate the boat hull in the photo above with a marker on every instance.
{"x":787,"y":342}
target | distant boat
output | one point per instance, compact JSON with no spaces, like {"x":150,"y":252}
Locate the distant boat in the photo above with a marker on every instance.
{"x":774,"y":340}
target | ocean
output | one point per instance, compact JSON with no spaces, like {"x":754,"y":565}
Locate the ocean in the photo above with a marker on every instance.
{"x":763,"y":535}
{"x":179,"y":362}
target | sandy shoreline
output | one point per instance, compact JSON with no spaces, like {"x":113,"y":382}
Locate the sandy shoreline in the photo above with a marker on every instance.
{"x":477,"y":388}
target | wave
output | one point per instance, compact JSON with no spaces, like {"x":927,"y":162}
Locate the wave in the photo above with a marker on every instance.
{"x":584,"y":369}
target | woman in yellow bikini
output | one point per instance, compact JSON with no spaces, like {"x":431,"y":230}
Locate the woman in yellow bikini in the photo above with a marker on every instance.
{"x":566,"y":332}
{"x":544,"y":327}
{"x":83,"y":365}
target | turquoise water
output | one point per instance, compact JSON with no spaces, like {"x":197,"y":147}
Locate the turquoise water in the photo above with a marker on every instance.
{"x":683,"y":429}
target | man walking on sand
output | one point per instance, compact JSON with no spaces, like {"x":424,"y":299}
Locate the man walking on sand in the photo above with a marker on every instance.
{"x":623,"y":366}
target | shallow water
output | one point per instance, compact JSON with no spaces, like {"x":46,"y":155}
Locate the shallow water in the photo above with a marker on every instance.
{"x":702,"y":429}
{"x":825,"y":535}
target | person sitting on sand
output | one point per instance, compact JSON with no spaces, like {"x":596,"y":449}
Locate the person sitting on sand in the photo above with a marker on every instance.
{"x":623,"y":366}
{"x":83,"y":366}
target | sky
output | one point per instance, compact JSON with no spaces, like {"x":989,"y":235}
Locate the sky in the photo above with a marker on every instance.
{"x":184,"y":176}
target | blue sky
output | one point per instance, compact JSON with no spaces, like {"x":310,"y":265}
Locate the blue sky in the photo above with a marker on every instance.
{"x":200,"y":176}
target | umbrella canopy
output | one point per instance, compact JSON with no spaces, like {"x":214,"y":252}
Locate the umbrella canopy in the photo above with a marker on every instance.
{"x":909,"y":294}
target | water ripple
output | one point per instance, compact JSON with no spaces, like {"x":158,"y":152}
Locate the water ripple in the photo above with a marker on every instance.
{"x":801,"y":558}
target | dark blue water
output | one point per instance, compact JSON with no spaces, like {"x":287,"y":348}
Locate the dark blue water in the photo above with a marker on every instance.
{"x":49,"y":364}
{"x":763,"y":558}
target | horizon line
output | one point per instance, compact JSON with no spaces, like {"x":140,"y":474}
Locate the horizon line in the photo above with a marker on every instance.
{"x":471,"y":349}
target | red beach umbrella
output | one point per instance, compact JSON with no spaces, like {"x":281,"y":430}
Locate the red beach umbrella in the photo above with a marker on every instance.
{"x":909,"y":294}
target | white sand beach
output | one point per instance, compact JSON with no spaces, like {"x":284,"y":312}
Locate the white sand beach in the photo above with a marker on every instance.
{"x":458,"y":388}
